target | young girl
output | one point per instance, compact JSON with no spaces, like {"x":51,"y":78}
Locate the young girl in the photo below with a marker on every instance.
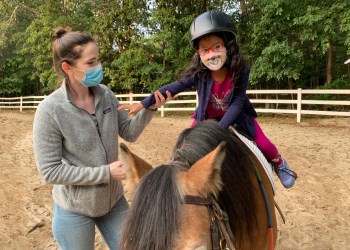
{"x":220,"y":76}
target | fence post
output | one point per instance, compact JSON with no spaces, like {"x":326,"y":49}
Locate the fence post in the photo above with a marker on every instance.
{"x":131,"y":98}
{"x":162,"y":111}
{"x":299,"y":105}
{"x":21,"y":104}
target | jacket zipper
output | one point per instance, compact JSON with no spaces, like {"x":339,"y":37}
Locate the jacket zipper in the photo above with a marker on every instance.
{"x":110,"y":181}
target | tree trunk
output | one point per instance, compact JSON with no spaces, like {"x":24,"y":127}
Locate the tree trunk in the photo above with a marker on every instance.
{"x":329,"y":64}
{"x":290,"y":46}
{"x":314,"y":81}
{"x":244,"y":8}
{"x":204,"y":6}
{"x":163,"y":52}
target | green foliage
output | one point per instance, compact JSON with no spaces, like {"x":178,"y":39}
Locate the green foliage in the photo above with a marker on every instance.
{"x":119,"y":25}
{"x":12,"y":82}
{"x":311,"y":30}
{"x":341,"y":83}
{"x":38,"y":37}
{"x":15,"y":16}
{"x":277,"y":61}
{"x":144,"y":44}
{"x":320,"y":24}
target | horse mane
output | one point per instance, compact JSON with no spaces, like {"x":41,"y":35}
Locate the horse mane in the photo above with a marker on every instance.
{"x":238,"y":195}
{"x":159,"y":212}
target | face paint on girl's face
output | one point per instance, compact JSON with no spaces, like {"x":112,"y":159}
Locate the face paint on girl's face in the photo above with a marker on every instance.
{"x":212,"y":52}
{"x":214,"y":60}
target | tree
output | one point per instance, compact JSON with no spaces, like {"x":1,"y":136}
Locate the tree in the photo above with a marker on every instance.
{"x":144,"y":44}
{"x":271,"y":43}
{"x":37,"y":39}
{"x":326,"y":27}
{"x":15,"y":16}
{"x":119,"y":26}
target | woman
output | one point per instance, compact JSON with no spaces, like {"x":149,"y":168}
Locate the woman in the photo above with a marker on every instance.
{"x":75,"y":138}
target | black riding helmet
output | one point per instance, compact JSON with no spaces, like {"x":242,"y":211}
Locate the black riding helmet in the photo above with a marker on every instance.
{"x":210,"y":22}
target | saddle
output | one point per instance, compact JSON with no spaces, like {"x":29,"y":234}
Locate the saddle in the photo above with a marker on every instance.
{"x":268,"y":167}
{"x":248,"y":141}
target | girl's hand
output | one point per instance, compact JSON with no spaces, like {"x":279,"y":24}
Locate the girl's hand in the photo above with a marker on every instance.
{"x":132,"y":109}
{"x":160,"y":100}
{"x":117,"y":170}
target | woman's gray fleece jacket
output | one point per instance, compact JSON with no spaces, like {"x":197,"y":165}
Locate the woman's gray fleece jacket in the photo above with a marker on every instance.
{"x":73,"y":154}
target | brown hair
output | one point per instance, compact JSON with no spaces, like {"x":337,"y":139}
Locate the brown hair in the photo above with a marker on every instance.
{"x":67,"y":47}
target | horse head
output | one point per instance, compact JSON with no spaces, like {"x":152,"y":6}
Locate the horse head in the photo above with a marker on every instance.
{"x":208,"y":160}
{"x":171,"y":223}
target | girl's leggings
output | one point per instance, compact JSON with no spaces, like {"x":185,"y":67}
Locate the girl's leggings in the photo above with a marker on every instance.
{"x":263,"y":143}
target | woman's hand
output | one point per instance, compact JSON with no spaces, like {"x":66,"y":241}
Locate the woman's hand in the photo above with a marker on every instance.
{"x":132,"y":109}
{"x":117,"y":170}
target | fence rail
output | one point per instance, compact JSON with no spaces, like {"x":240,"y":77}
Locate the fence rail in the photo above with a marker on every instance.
{"x":300,"y":102}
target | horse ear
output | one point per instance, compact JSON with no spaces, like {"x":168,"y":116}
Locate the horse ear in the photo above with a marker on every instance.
{"x":136,"y":167}
{"x":203,"y":178}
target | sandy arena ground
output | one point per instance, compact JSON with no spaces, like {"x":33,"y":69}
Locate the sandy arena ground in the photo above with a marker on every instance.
{"x":317,"y":208}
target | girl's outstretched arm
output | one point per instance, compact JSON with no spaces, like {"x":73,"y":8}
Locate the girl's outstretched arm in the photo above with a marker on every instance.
{"x":160,"y":101}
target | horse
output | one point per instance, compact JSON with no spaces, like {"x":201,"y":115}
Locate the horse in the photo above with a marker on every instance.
{"x":209,"y":163}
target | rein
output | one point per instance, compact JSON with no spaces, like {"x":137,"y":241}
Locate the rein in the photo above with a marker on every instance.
{"x":221,"y":234}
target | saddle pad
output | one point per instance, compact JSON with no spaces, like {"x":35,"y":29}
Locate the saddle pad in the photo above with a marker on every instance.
{"x":259,"y":155}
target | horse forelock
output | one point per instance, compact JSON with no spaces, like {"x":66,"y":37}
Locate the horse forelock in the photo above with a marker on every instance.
{"x":238,"y":196}
{"x":152,"y":222}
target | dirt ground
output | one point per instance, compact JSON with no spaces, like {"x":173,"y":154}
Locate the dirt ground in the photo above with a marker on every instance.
{"x":317,"y":208}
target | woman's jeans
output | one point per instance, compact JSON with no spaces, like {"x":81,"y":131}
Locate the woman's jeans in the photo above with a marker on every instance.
{"x":74,"y":231}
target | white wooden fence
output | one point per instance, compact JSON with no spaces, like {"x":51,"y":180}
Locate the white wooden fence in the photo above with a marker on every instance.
{"x":265,"y":101}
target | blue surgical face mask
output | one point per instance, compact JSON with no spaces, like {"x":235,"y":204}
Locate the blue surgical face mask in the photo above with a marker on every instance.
{"x":93,"y":76}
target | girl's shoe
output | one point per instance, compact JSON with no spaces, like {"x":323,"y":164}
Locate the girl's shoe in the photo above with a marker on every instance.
{"x":285,"y":174}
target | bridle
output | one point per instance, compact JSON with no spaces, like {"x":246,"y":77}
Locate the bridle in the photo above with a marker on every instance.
{"x":221,"y":234}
